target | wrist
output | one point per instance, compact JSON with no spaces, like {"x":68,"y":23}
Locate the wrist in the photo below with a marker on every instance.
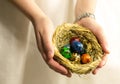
{"x":38,"y":17}
{"x":40,"y":20}
{"x":85,"y":15}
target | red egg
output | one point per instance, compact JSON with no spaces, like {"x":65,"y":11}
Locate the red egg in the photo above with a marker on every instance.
{"x":74,"y":39}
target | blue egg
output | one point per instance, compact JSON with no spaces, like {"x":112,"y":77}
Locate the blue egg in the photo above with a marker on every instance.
{"x":83,"y":51}
{"x":77,"y":47}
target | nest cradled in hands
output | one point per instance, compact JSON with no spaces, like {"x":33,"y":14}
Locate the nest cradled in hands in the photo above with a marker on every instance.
{"x":62,"y":36}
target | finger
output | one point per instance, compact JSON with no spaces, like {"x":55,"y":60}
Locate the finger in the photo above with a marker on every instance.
{"x":47,"y":44}
{"x":104,"y":60}
{"x":99,"y":33}
{"x":102,"y":63}
{"x":58,"y":68}
{"x":103,"y":42}
{"x":48,"y":47}
{"x":40,"y":45}
{"x":95,"y":71}
{"x":68,"y":75}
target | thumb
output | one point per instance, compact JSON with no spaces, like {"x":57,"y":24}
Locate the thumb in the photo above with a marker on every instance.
{"x":48,"y":46}
{"x":105,"y":47}
{"x":103,"y":42}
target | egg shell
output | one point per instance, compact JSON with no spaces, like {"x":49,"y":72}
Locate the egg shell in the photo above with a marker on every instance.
{"x":65,"y":51}
{"x":85,"y":58}
{"x":74,"y":39}
{"x":76,"y":47}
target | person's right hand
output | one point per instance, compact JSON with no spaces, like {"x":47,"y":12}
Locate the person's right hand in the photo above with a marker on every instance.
{"x":44,"y":31}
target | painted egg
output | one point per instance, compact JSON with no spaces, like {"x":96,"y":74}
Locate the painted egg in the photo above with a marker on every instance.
{"x":67,"y":46}
{"x":85,"y":58}
{"x":65,"y":51}
{"x":74,"y":39}
{"x":83,"y":51}
{"x":76,"y":47}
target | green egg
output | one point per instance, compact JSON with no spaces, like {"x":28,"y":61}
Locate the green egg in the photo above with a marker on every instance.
{"x":65,"y":51}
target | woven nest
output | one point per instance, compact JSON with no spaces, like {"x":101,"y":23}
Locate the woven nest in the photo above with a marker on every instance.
{"x":62,"y":36}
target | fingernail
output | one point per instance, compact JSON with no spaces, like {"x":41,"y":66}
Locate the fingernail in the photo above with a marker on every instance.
{"x":68,"y":75}
{"x":94,"y":72}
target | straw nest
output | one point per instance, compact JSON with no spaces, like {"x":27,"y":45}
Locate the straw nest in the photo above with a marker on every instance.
{"x":61,"y":37}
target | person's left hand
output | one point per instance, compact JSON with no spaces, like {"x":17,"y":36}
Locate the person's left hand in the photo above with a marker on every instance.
{"x":91,"y":24}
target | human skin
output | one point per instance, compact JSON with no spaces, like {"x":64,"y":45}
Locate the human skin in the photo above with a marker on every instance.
{"x":44,"y":30}
{"x":88,"y":6}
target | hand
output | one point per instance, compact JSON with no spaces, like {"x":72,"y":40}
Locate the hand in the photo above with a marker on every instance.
{"x":44,"y":31}
{"x":97,"y":30}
